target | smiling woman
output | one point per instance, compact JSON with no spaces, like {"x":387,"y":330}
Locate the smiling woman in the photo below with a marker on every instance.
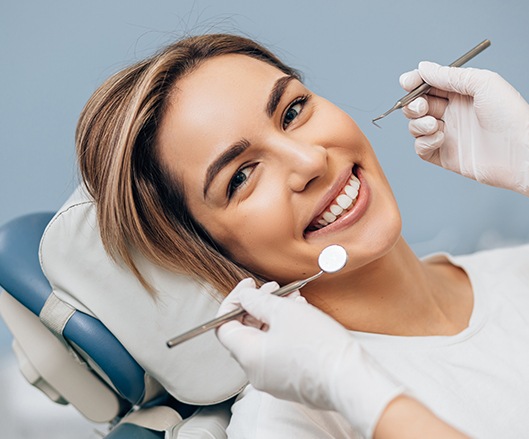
{"x":212,"y":158}
{"x":140,"y":205}
{"x":256,"y":150}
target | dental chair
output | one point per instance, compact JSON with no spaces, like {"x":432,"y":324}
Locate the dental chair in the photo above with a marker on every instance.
{"x":86,"y":333}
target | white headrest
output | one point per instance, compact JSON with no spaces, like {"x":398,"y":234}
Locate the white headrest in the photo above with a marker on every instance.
{"x":199,"y":371}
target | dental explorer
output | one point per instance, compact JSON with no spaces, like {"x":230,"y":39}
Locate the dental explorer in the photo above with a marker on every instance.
{"x":425,"y":88}
{"x":331,"y":259}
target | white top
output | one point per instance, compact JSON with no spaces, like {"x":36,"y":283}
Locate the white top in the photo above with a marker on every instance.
{"x":477,"y":380}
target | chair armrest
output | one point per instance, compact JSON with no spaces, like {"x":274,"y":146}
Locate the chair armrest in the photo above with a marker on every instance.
{"x":20,"y":272}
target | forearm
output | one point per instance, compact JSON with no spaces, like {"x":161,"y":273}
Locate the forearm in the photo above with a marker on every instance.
{"x":322,"y":366}
{"x":406,"y":418}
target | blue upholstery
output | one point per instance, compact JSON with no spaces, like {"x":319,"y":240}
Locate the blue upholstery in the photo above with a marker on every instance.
{"x":22,"y":277}
{"x":95,"y":339}
{"x":20,"y":272}
{"x":131,"y":431}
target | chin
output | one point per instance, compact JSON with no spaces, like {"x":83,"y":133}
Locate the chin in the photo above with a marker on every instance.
{"x":377,"y":241}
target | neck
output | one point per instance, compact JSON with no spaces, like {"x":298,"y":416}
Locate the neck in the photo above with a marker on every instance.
{"x":397,"y":294}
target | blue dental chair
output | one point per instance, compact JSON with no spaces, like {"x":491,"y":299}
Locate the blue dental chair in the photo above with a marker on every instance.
{"x":26,"y":291}
{"x":81,"y":362}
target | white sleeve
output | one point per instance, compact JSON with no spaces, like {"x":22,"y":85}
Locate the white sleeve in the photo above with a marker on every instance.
{"x":258,"y":415}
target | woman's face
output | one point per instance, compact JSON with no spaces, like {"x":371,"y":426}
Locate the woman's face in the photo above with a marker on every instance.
{"x":267,"y":168}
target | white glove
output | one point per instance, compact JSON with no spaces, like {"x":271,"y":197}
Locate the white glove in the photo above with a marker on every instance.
{"x":472,"y":122}
{"x":304,"y":355}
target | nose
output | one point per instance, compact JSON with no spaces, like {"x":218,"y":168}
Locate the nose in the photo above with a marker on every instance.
{"x":304,"y":162}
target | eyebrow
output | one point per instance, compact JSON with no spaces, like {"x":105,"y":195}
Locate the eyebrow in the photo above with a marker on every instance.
{"x":277,"y":92}
{"x":224,"y":160}
{"x":242,"y":145}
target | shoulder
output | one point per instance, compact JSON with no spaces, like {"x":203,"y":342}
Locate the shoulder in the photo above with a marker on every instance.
{"x":504,"y":270}
{"x":498,"y":262}
{"x":258,"y":415}
{"x":500,"y":259}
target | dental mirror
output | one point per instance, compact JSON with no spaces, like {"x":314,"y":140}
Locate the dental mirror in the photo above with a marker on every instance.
{"x":331,"y":259}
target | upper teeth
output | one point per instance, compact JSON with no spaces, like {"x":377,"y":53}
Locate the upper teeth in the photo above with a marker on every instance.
{"x":343,"y":202}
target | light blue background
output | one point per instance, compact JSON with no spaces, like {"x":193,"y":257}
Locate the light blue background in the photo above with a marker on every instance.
{"x":55,"y":53}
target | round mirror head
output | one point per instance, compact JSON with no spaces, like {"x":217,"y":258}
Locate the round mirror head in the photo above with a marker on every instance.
{"x":332,"y":258}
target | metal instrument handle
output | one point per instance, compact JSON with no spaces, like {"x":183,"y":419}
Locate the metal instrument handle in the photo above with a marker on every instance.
{"x":215,"y":323}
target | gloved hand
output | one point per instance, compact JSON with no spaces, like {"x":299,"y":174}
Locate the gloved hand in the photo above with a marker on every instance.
{"x":471,"y":122}
{"x":303,"y":355}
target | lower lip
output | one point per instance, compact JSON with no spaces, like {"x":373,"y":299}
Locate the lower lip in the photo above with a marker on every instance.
{"x":352,"y":216}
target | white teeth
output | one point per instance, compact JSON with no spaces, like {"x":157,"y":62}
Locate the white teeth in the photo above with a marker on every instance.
{"x":342,"y":203}
{"x":351,"y":192}
{"x":336,"y":209}
{"x":354,"y":182}
{"x":329,"y":217}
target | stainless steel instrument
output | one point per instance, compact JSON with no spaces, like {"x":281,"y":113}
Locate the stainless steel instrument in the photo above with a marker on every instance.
{"x":332,"y":259}
{"x":424,"y":87}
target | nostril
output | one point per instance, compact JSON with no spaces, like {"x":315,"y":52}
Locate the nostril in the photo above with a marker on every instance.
{"x":307,"y":163}
{"x":309,"y":183}
{"x":299,"y":182}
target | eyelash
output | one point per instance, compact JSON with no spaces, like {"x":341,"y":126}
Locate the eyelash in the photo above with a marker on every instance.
{"x":302,"y":100}
{"x":231,"y":187}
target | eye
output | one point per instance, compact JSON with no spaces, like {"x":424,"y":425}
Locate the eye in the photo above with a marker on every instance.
{"x":239,"y":179}
{"x":291,"y":114}
{"x":294,"y":110}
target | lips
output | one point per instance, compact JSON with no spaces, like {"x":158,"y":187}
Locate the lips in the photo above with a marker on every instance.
{"x":339,"y":206}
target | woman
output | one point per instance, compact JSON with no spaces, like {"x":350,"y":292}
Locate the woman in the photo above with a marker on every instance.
{"x":214,"y":159}
{"x":286,"y":359}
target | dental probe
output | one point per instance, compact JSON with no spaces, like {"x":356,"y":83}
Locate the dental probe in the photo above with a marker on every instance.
{"x":425,"y":88}
{"x":331,"y":259}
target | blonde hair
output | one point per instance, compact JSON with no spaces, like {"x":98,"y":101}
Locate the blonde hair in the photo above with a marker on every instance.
{"x":140,"y":206}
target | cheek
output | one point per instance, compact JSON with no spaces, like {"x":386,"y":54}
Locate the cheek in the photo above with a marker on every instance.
{"x":256,"y":229}
{"x":253,"y":233}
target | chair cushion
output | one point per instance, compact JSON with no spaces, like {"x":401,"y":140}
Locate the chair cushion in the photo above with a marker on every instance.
{"x":21,"y":276}
{"x":199,"y":371}
{"x":20,"y":272}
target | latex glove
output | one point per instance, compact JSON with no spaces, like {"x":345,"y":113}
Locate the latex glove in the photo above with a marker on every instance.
{"x":472,"y":122}
{"x":304,"y":355}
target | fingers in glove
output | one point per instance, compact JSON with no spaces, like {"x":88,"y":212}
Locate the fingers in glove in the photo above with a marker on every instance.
{"x":436,"y":106}
{"x":438,"y":93}
{"x":416,"y":108}
{"x":426,"y":105}
{"x":296,"y":296}
{"x":293,"y":295}
{"x":249,"y":320}
{"x":260,"y":304}
{"x":424,"y":126}
{"x":466,"y":81}
{"x":240,"y":340}
{"x":269,"y":287}
{"x":427,"y":147}
{"x":231,"y":301}
{"x":410,"y":80}
{"x":301,"y":299}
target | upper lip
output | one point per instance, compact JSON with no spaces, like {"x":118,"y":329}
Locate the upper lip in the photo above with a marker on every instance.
{"x":330,"y":195}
